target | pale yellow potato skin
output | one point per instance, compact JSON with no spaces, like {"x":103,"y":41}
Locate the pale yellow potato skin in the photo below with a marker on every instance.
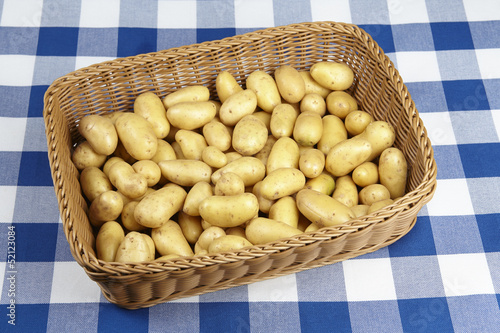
{"x":187,"y":94}
{"x":191,"y":143}
{"x":100,"y":133}
{"x":322,"y":209}
{"x":149,"y":169}
{"x":365,"y":174}
{"x":379,"y":205}
{"x":217,"y":134}
{"x":346,"y":191}
{"x":360,"y":210}
{"x":150,"y":106}
{"x":237,"y":106}
{"x":228,"y":243}
{"x":312,"y":162}
{"x":156,"y":208}
{"x":229,"y":184}
{"x":356,"y":122}
{"x":108,"y":240}
{"x":134,"y":249}
{"x":373,"y":193}
{"x":263,"y":230}
{"x":185,"y":172}
{"x":137,"y":136}
{"x":208,"y":236}
{"x":85,"y":156}
{"x":226,"y":85}
{"x":332,"y":75}
{"x":128,"y":219}
{"x":107,"y":206}
{"x":263,"y":154}
{"x":285,"y":153}
{"x":265,"y":117}
{"x":214,"y":157}
{"x":308,"y":129}
{"x":229,"y":211}
{"x":191,"y":115}
{"x":236,"y":231}
{"x":283,"y":119}
{"x":313,"y":103}
{"x":169,"y":239}
{"x":112,"y":160}
{"x":249,"y":135}
{"x":164,"y":151}
{"x":340,"y":104}
{"x":282,"y":182}
{"x":249,"y":168}
{"x":323,"y":183}
{"x":393,"y":170}
{"x":290,"y":83}
{"x":196,"y":194}
{"x":381,"y":135}
{"x":285,"y":210}
{"x":190,"y":226}
{"x":347,"y":155}
{"x":333,"y":132}
{"x":123,"y":176}
{"x":94,"y":182}
{"x":313,"y":87}
{"x":264,"y":204}
{"x":265,"y":89}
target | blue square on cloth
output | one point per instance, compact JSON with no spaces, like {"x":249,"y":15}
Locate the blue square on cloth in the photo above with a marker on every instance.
{"x":168,"y":38}
{"x":382,"y":34}
{"x":412,"y":37}
{"x":456,"y":234}
{"x":203,"y":35}
{"x":445,"y":11}
{"x":466,"y":129}
{"x":375,"y":316}
{"x":425,"y":315}
{"x":463,"y":95}
{"x":29,"y":248}
{"x":273,"y":317}
{"x":15,"y":101}
{"x":28,"y":318}
{"x":492,"y":87}
{"x":97,"y":42}
{"x":224,"y":317}
{"x":35,"y":106}
{"x":331,"y":277}
{"x":324,"y":317}
{"x":34,"y":169}
{"x":134,"y":41}
{"x":481,"y":159}
{"x":417,"y":242}
{"x":58,"y":41}
{"x":80,"y":315}
{"x":42,"y":201}
{"x":18,"y":40}
{"x":182,"y":317}
{"x":489,"y":228}
{"x":485,"y":34}
{"x":449,"y":165}
{"x":474,"y":313}
{"x":460,"y":39}
{"x":9,"y":167}
{"x":428,"y":96}
{"x":116,"y":319}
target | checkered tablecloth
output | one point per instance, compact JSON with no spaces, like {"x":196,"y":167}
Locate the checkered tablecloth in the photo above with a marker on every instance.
{"x":442,"y":276}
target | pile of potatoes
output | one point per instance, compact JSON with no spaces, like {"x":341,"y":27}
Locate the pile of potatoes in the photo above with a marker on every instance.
{"x":193,"y":174}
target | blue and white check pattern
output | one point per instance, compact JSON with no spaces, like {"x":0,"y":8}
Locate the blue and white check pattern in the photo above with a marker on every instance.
{"x":443,"y":276}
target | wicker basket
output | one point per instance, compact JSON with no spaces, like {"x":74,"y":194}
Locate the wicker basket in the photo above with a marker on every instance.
{"x":112,"y":86}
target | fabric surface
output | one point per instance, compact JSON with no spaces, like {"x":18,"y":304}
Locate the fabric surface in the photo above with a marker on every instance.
{"x":444,"y":275}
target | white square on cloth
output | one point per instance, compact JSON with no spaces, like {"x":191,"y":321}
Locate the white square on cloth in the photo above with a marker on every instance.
{"x":72,"y":285}
{"x":481,"y":10}
{"x":8,"y":197}
{"x":419,"y":66}
{"x":177,"y":14}
{"x":495,"y":114}
{"x":487,"y":60}
{"x":280,"y":289}
{"x":12,"y":132}
{"x":26,"y":13}
{"x":100,"y":14}
{"x":451,"y":198}
{"x":327,"y":10}
{"x":16,"y":70}
{"x":439,"y":128}
{"x":404,"y":12}
{"x":253,"y":14}
{"x":369,"y":279}
{"x":465,"y":274}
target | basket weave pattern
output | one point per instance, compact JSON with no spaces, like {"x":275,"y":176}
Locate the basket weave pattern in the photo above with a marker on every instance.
{"x":113,"y":86}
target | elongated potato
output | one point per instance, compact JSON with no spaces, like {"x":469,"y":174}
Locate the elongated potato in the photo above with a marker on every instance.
{"x":265,"y":88}
{"x":312,"y":162}
{"x":195,"y":93}
{"x":137,"y":136}
{"x":282,"y":182}
{"x":229,"y":211}
{"x":291,"y":85}
{"x":156,"y":208}
{"x":185,"y":172}
{"x":191,"y":115}
{"x":332,"y":75}
{"x":347,"y":155}
{"x":285,"y":153}
{"x":108,"y":239}
{"x":100,"y":133}
{"x":85,"y":156}
{"x":346,"y":191}
{"x":283,"y":120}
{"x":123,"y":176}
{"x":190,"y":226}
{"x":107,"y":206}
{"x":228,"y":243}
{"x":164,"y":151}
{"x":237,"y":106}
{"x":217,"y":134}
{"x":333,"y":132}
{"x":226,"y":85}
{"x":313,"y":87}
{"x":249,"y":135}
{"x":322,"y":209}
{"x":381,"y":135}
{"x":196,"y":194}
{"x":323,"y":183}
{"x":94,"y":182}
{"x":214,"y":157}
{"x":191,"y":144}
{"x":169,"y":239}
{"x":249,"y":168}
{"x":263,"y":230}
{"x":134,"y":248}
{"x":308,"y":129}
{"x":393,"y":169}
{"x":285,"y":210}
{"x":150,"y":107}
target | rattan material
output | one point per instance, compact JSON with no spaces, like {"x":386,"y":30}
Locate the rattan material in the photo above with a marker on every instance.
{"x":113,"y":86}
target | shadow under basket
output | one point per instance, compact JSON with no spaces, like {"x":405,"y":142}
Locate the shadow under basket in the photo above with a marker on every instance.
{"x":113,"y":86}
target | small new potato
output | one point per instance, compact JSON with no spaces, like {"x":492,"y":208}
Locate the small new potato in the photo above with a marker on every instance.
{"x":128,"y":219}
{"x":196,"y":194}
{"x":195,"y":93}
{"x":373,"y":193}
{"x":285,"y":153}
{"x":169,"y":239}
{"x":312,"y":162}
{"x":207,"y":237}
{"x":381,"y":135}
{"x":217,"y":134}
{"x":340,"y":104}
{"x":332,"y":75}
{"x":100,"y":133}
{"x":123,"y":176}
{"x":228,"y":243}
{"x":94,"y":182}
{"x":237,"y":106}
{"x":229,"y":211}
{"x":185,"y":172}
{"x":263,"y":154}
{"x":265,"y":89}
{"x":107,"y":206}
{"x":249,"y":168}
{"x":393,"y":169}
{"x":365,"y":174}
{"x":190,"y":226}
{"x":346,"y":191}
{"x":264,"y":204}
{"x":164,"y":151}
{"x":134,"y":248}
{"x":137,"y":136}
{"x":283,"y":120}
{"x":333,"y":132}
{"x":360,"y":210}
{"x":191,"y":115}
{"x":214,"y":157}
{"x":313,"y":103}
{"x":323,"y":183}
{"x":347,"y":155}
{"x":308,"y":129}
{"x":285,"y":210}
{"x":229,"y":184}
{"x":263,"y":230}
{"x":313,"y":87}
{"x":191,"y":144}
{"x":149,"y":169}
{"x":356,"y":122}
{"x":291,"y":85}
{"x":150,"y":106}
{"x":249,"y":135}
{"x":379,"y":205}
{"x":85,"y":156}
{"x":226,"y":85}
{"x":322,"y":209}
{"x":108,"y":239}
{"x":282,"y":182}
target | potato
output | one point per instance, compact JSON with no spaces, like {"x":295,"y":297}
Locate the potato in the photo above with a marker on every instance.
{"x":185,"y":172}
{"x":150,"y":107}
{"x":282,"y":182}
{"x":229,"y":211}
{"x":169,"y":239}
{"x":313,"y":87}
{"x":213,"y":157}
{"x":263,"y":230}
{"x":191,"y":115}
{"x":85,"y":156}
{"x":347,"y":155}
{"x":332,"y":75}
{"x":123,"y":176}
{"x":393,"y":169}
{"x":232,"y":156}
{"x":249,"y":135}
{"x":285,"y":153}
{"x":128,"y":219}
{"x":107,"y":206}
{"x":164,"y":151}
{"x":379,"y":205}
{"x":195,"y":93}
{"x":229,"y":184}
{"x":265,"y":89}
{"x":308,"y":129}
{"x":149,"y":169}
{"x":134,"y":248}
{"x":228,"y":243}
{"x":365,"y":174}
{"x":333,"y":132}
{"x":265,"y":117}
{"x":264,"y":204}
{"x":381,"y":135}
{"x":196,"y":194}
{"x":191,"y":143}
{"x":285,"y":210}
{"x":322,"y":209}
{"x":283,"y":120}
{"x":156,"y":208}
{"x":356,"y":122}
{"x":207,"y":237}
{"x":373,"y":193}
{"x":217,"y":134}
{"x":346,"y":191}
{"x":263,"y":154}
{"x":290,"y":83}
{"x":312,"y":162}
{"x":360,"y":210}
{"x":340,"y":104}
{"x":108,"y":239}
{"x":190,"y":226}
{"x":249,"y":168}
{"x":236,"y":231}
{"x":112,"y":160}
{"x":122,"y":153}
{"x":94,"y":182}
{"x":313,"y":103}
{"x":323,"y":183}
{"x":226,"y":85}
{"x":178,"y":150}
{"x":137,"y":136}
{"x":100,"y":133}
{"x":237,"y":106}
